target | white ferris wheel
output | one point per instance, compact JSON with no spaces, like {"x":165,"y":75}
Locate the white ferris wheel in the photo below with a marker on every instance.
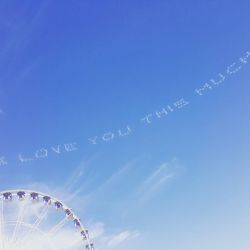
{"x":31,"y":220}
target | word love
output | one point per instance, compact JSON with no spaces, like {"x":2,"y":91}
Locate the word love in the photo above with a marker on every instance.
{"x":44,"y":152}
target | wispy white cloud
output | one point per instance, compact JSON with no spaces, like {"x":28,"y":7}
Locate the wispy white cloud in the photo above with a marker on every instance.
{"x":110,"y":188}
{"x":122,"y":237}
{"x":72,"y":185}
{"x":97,"y":230}
{"x":108,"y":241}
{"x":157,"y":179}
{"x":115,"y":178}
{"x":20,"y":31}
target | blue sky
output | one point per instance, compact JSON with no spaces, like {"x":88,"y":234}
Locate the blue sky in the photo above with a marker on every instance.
{"x":80,"y":70}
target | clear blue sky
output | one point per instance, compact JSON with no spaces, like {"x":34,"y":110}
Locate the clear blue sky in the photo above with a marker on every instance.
{"x":74,"y":70}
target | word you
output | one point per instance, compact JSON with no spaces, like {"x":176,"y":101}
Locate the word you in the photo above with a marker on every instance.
{"x":109,"y":136}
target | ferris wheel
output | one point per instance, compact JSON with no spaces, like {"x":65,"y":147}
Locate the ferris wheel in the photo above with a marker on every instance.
{"x":31,"y":220}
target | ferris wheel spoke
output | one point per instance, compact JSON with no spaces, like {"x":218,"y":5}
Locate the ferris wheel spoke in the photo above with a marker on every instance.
{"x":24,"y":243}
{"x":18,"y":223}
{"x":34,"y":226}
{"x":41,"y":216}
{"x":2,"y":229}
{"x":57,"y":227}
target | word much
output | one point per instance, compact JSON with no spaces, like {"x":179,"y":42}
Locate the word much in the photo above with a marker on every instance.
{"x":230,"y":70}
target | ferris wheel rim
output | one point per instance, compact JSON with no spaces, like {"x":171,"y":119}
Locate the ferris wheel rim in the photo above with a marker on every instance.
{"x":82,"y":228}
